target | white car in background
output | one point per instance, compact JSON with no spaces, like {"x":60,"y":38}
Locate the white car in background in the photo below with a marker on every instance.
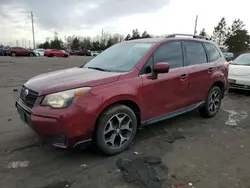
{"x":94,"y":53}
{"x":239,"y":72}
{"x":39,"y":52}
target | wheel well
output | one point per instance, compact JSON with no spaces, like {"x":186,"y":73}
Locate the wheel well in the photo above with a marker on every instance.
{"x":132,"y":105}
{"x":220,"y":85}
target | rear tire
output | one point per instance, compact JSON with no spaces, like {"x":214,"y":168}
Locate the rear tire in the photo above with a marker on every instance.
{"x":212,"y":104}
{"x":115,"y":129}
{"x":31,"y":54}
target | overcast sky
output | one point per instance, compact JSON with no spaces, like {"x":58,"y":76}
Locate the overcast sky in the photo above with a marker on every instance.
{"x":89,"y":17}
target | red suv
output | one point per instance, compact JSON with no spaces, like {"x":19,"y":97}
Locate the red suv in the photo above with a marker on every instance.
{"x":56,"y":53}
{"x":129,"y":85}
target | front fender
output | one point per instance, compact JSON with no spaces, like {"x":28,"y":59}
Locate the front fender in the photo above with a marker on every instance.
{"x":103,"y":96}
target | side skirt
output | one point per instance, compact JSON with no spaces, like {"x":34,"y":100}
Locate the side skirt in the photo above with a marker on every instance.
{"x":173,"y":114}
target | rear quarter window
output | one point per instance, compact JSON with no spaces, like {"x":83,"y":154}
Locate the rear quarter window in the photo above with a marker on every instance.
{"x":212,"y":51}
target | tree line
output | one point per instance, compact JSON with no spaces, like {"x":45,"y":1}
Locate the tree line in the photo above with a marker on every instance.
{"x":234,"y":37}
{"x":100,"y":42}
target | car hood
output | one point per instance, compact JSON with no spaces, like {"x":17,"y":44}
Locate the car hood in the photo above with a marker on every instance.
{"x":69,"y":79}
{"x":239,"y":70}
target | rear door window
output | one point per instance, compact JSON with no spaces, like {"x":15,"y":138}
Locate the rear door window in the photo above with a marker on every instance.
{"x":195,"y":53}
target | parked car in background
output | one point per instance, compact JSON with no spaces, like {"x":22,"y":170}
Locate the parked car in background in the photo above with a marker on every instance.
{"x":56,"y":53}
{"x":228,"y":56}
{"x":129,"y":85}
{"x":19,"y":51}
{"x":239,"y":72}
{"x":84,"y":52}
{"x":39,"y":52}
{"x":71,"y":52}
{"x":94,"y":53}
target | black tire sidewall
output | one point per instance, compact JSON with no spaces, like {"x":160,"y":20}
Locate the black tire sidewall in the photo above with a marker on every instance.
{"x":214,"y":88}
{"x":13,"y":54}
{"x":105,"y":116}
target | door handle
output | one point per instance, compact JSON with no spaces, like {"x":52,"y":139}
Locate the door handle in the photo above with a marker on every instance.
{"x":210,"y":70}
{"x":183,"y":77}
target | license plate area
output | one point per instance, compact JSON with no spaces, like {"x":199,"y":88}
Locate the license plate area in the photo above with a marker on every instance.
{"x":231,"y":81}
{"x":22,"y":114}
{"x":25,"y":117}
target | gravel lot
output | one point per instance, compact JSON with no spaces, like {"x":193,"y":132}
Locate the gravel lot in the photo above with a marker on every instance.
{"x":214,"y":153}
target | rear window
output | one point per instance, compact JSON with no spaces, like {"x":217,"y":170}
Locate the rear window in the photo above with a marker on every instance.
{"x":195,"y":53}
{"x":212,"y":51}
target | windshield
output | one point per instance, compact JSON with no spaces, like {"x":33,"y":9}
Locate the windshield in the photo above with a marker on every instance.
{"x":243,"y":59}
{"x":121,"y":57}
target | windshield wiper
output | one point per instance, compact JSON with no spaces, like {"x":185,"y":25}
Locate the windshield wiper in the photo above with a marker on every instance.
{"x":97,"y":68}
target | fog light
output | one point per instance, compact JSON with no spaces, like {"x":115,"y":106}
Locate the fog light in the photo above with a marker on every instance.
{"x":60,"y":141}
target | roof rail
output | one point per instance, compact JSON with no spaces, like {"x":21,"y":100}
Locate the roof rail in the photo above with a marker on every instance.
{"x":188,"y":35}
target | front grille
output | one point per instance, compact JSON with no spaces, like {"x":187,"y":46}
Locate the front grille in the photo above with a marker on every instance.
{"x":28,"y":96}
{"x":239,"y":86}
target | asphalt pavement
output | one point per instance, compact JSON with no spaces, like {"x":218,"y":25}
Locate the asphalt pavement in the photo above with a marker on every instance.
{"x":197,"y":152}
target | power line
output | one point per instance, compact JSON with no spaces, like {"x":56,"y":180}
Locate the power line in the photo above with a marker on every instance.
{"x":33,"y":33}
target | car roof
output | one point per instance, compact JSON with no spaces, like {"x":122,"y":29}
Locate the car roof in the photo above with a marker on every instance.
{"x":156,"y":40}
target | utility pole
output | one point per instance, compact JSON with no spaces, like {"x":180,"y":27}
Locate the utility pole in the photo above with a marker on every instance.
{"x":33,"y":33}
{"x":195,"y":26}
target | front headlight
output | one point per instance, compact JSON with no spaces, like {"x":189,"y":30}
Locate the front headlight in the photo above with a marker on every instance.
{"x":65,"y":98}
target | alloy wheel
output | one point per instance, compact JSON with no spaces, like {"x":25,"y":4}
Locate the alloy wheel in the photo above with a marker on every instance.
{"x":117,"y":131}
{"x":214,"y":101}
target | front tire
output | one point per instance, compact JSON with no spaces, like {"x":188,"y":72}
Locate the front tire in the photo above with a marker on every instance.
{"x":116,"y":129}
{"x":13,"y":54}
{"x":31,"y":54}
{"x":212,"y":104}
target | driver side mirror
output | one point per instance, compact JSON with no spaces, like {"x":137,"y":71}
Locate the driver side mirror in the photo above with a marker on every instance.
{"x":159,"y":68}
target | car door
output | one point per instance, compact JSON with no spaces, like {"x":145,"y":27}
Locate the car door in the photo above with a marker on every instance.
{"x":199,"y":69}
{"x":21,"y":51}
{"x":59,"y":53}
{"x":167,"y":93}
{"x":17,"y":51}
{"x":54,"y":52}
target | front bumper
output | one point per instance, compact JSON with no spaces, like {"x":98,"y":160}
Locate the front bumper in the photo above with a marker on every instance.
{"x":67,"y":129}
{"x":239,"y":83}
